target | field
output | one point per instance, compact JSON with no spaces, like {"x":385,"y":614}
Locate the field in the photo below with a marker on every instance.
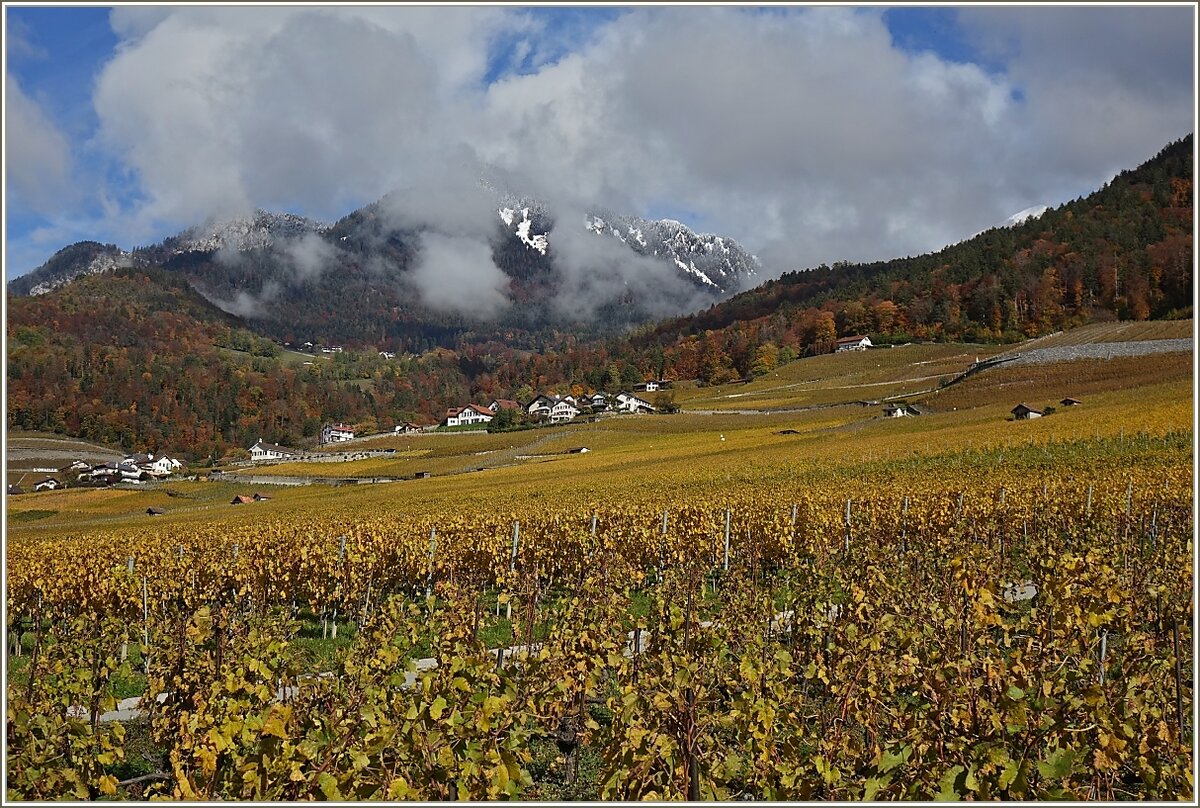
{"x":675,"y":592}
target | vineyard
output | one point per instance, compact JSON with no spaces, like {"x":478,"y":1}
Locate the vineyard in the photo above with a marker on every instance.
{"x":1010,"y":623}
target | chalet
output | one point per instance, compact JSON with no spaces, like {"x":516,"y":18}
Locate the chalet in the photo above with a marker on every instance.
{"x":163,"y":466}
{"x":336,"y":433}
{"x":855,"y":343}
{"x":626,"y":402}
{"x":599,"y":401}
{"x":468,"y":415}
{"x":406,"y":428}
{"x":1023,"y":412}
{"x":241,"y":499}
{"x":504,"y":404}
{"x":1070,"y":402}
{"x":646,"y":387}
{"x":47,"y":484}
{"x":262,"y":450}
{"x":155,"y":511}
{"x":563,"y":410}
{"x":540,"y":405}
{"x":261,"y":497}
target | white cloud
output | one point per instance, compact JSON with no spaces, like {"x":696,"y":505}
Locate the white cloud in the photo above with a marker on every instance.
{"x":805,"y":133}
{"x":456,"y":273}
{"x":38,"y":155}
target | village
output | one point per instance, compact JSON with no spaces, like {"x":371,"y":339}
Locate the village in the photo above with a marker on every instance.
{"x":545,"y":409}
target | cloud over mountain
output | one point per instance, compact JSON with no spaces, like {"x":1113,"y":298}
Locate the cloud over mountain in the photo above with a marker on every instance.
{"x":808,"y":134}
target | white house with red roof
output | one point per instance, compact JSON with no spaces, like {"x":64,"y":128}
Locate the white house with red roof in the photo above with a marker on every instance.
{"x":855,"y":343}
{"x":336,"y":433}
{"x":470,"y":415}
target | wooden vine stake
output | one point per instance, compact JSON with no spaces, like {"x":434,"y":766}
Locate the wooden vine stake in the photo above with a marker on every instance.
{"x":512,"y":565}
{"x":1178,"y":681}
{"x":727,"y":540}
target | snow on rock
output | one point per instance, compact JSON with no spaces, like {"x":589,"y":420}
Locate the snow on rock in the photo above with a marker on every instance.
{"x":1022,"y":216}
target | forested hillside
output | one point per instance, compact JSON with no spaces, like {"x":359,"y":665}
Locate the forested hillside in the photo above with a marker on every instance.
{"x":1124,"y":252}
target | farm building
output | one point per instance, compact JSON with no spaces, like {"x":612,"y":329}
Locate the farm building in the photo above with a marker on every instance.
{"x":1023,"y":412}
{"x":261,"y":497}
{"x":855,"y":343}
{"x":155,"y":511}
{"x":1070,"y":402}
{"x":241,"y":499}
{"x":421,"y":475}
{"x":270,"y":451}
{"x":13,"y":490}
{"x":47,"y":484}
{"x":406,"y":428}
{"x":651,"y":385}
{"x":896,"y":411}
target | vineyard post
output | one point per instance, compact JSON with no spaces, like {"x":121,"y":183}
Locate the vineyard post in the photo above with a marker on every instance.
{"x":125,"y":644}
{"x":512,"y":565}
{"x":145,"y":627}
{"x":1178,"y":682}
{"x":593,"y":525}
{"x":37,"y":648}
{"x":847,"y":536}
{"x":1103,"y":652}
{"x":341,"y":555}
{"x":904,"y":526}
{"x":727,"y":540}
{"x":1088,"y":515}
{"x":664,"y":525}
{"x":432,"y":550}
{"x":366,"y":605}
{"x":795,"y":508}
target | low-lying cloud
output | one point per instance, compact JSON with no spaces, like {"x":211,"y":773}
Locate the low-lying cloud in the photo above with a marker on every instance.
{"x":457,"y":274}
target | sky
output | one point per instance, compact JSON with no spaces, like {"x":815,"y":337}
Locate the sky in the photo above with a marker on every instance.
{"x":809,"y":134}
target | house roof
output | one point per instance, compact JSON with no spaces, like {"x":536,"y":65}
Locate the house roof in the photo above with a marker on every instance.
{"x":507,"y":403}
{"x":272,"y":447}
{"x":1069,"y":400}
{"x":341,"y":427}
{"x":241,"y":499}
{"x":479,"y":409}
{"x":155,"y":511}
{"x":1025,"y":407}
{"x":848,"y":340}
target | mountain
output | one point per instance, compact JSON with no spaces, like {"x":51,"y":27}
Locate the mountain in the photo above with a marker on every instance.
{"x":716,"y":262}
{"x":369,"y":278}
{"x":138,"y":356}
